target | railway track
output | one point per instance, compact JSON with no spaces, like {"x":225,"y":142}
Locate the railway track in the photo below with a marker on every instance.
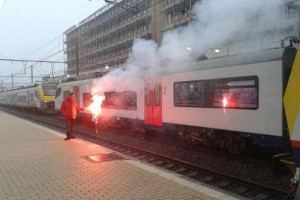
{"x":236,"y":185}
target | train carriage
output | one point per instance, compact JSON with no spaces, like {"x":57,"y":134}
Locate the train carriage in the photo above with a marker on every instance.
{"x":38,"y":97}
{"x":237,"y":99}
{"x":81,"y":89}
{"x":232,"y":99}
{"x":118,"y":104}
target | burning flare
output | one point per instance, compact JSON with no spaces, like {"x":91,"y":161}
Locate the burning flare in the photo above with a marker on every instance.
{"x":95,"y":106}
{"x":225,"y":102}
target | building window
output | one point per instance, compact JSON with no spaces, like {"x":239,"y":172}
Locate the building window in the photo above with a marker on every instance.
{"x":170,"y":18}
{"x":290,"y":11}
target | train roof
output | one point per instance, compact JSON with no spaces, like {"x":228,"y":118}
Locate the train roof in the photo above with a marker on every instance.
{"x":27,"y":87}
{"x":71,"y":83}
{"x":226,"y":61}
{"x":265,"y":55}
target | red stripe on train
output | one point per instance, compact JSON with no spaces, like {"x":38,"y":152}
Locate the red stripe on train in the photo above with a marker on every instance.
{"x":295,"y":143}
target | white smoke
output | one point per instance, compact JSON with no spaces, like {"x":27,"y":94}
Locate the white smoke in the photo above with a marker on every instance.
{"x":215,"y":23}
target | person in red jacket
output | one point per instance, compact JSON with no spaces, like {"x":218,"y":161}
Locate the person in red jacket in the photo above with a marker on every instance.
{"x":69,"y":108}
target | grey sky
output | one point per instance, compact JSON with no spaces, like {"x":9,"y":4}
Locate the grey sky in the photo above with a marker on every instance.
{"x":27,"y":25}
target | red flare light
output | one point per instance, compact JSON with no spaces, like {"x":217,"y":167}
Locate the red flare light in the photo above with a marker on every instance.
{"x":225,"y":102}
{"x":95,"y":106}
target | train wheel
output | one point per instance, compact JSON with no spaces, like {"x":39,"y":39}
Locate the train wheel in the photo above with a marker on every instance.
{"x":233,"y":146}
{"x":184,"y":135}
{"x":181,"y":134}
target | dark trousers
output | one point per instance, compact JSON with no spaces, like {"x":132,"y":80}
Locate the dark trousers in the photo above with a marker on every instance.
{"x":69,"y":127}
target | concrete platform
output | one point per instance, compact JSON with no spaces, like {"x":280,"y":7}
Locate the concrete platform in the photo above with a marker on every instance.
{"x":36,"y":163}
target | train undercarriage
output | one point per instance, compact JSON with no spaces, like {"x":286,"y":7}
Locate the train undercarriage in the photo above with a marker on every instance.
{"x":229,"y":141}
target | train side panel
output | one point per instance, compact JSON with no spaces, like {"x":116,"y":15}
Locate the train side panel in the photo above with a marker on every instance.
{"x":40,"y":97}
{"x":22,"y":98}
{"x":266,"y":119}
{"x":64,"y":91}
{"x":134,"y":111}
{"x":5,"y":98}
{"x":34,"y":95}
{"x":85,"y":86}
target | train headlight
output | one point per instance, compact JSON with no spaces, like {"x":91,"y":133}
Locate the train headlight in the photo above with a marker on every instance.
{"x":45,"y":101}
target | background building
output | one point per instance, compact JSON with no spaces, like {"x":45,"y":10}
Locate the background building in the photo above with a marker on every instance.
{"x":104,"y":39}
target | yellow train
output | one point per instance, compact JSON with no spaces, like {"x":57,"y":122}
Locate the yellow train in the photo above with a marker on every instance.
{"x":38,"y":97}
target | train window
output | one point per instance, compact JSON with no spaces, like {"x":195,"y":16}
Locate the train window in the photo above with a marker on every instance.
{"x":240,"y":93}
{"x":66,"y":93}
{"x":36,"y":94}
{"x":31,"y":97}
{"x":87,"y":99}
{"x":193,"y":94}
{"x":157,"y":94}
{"x":22,"y":99}
{"x":130,"y":100}
{"x":58,"y":92}
{"x":109,"y":99}
{"x":126,"y":100}
{"x":49,"y":89}
{"x":148,"y":94}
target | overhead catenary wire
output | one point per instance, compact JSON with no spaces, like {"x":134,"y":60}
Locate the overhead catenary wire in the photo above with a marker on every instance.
{"x":43,"y":60}
{"x":43,"y":46}
{"x":37,"y":50}
{"x":35,"y":61}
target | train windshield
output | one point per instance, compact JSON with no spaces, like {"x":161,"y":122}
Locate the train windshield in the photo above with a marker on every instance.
{"x":49,"y":89}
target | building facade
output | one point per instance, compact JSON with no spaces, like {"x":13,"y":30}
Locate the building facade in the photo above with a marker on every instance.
{"x":104,"y":39}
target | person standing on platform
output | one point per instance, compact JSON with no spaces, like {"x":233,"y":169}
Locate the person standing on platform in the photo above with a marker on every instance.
{"x":69,"y":108}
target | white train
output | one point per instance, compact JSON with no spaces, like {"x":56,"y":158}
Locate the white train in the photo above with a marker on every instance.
{"x":227,"y":102}
{"x":38,"y":97}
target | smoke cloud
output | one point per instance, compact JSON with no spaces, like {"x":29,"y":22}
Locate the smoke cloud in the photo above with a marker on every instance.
{"x":215,"y":23}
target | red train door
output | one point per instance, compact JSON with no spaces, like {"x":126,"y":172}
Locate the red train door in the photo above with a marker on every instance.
{"x":153,"y":102}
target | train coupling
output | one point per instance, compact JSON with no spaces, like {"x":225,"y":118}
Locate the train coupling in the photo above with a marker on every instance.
{"x":282,"y":163}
